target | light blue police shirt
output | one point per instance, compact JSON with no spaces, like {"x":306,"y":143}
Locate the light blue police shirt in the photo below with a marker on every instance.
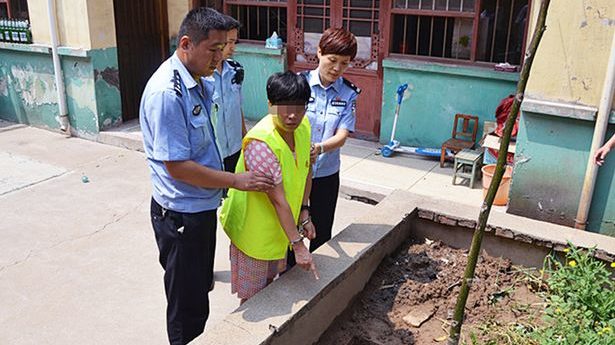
{"x":227,"y":110}
{"x":176,"y":126}
{"x":330,"y":108}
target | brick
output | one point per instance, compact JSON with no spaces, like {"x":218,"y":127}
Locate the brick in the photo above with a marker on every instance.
{"x":466,"y":223}
{"x":424,"y":214}
{"x":447,"y":220}
{"x":523,"y":238}
{"x":506,"y":233}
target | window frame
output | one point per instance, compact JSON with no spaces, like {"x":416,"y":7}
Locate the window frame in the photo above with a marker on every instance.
{"x":475,"y":16}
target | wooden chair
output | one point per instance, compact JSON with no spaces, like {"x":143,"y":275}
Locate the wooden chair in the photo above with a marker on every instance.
{"x":463,"y":138}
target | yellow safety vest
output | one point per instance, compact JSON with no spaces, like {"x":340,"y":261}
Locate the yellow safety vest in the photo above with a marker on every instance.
{"x":249,"y":218}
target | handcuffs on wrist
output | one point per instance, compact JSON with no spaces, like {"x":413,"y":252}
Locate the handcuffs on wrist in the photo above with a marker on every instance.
{"x":300,"y":227}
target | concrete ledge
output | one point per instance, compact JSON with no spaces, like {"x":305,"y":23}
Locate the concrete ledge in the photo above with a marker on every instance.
{"x":44,"y":49}
{"x":452,"y":69}
{"x":252,"y":48}
{"x":562,"y":109}
{"x":127,"y":141}
{"x":296,"y":309}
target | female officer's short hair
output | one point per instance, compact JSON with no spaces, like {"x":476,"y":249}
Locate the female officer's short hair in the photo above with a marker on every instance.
{"x":288,"y":88}
{"x":338,"y":41}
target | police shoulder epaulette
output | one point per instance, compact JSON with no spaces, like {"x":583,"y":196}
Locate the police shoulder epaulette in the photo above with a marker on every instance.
{"x":177,"y":83}
{"x":351,"y":85}
{"x":238,"y":68}
{"x":234,"y":64}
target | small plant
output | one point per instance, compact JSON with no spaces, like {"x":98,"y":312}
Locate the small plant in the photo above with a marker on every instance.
{"x":579,"y":308}
{"x":580,"y":301}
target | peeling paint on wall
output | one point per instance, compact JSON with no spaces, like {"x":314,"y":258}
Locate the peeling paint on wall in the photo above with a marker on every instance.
{"x":28,"y":94}
{"x":110,"y":75}
{"x":35,"y":88}
{"x":4,"y":87}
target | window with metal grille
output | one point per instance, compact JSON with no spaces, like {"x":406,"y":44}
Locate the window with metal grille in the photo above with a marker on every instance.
{"x":489,"y":31}
{"x":259,"y":19}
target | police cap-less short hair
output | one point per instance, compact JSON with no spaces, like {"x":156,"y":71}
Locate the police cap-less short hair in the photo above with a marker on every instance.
{"x":200,"y":21}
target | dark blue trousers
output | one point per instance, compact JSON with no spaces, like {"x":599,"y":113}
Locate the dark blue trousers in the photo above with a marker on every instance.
{"x":187,"y":244}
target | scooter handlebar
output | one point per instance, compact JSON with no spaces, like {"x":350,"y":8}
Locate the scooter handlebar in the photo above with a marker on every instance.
{"x":400,"y":92}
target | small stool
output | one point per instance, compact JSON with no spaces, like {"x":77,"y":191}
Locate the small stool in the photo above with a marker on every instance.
{"x":465,"y":159}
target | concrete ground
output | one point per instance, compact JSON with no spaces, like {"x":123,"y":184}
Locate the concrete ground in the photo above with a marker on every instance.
{"x":78,"y":262}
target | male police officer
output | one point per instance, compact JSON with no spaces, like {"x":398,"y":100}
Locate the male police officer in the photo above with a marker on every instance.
{"x":227,"y":78}
{"x":186,"y":170}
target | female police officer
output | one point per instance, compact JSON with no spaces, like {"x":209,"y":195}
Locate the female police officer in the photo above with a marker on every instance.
{"x":331,"y":112}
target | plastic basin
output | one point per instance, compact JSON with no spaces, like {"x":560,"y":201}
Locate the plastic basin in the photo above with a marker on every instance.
{"x":501,"y":197}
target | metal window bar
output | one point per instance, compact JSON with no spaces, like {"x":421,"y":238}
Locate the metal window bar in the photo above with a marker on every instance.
{"x":495,"y":26}
{"x":445,"y":31}
{"x":405,"y":34}
{"x":512,"y":7}
{"x":247,"y":14}
{"x":431,"y":14}
{"x":418,"y":29}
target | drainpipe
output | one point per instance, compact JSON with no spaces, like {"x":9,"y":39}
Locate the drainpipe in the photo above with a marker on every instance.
{"x":602,"y":122}
{"x":57,"y":68}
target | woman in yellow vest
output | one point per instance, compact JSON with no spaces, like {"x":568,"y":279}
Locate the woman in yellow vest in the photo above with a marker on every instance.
{"x":262,"y":226}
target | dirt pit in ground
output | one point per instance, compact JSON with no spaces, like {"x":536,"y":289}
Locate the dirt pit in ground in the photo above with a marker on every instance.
{"x":420,"y":285}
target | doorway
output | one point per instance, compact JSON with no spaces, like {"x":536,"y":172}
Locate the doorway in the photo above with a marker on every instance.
{"x":142,"y":45}
{"x":361,"y":17}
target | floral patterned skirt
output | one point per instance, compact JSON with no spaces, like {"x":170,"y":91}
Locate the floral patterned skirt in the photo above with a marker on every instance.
{"x":250,"y":275}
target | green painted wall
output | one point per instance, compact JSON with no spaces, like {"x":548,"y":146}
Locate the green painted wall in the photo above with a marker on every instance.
{"x":107,"y":87}
{"x":551,"y":158}
{"x":259,"y":63}
{"x":436,"y":93}
{"x":28,"y":93}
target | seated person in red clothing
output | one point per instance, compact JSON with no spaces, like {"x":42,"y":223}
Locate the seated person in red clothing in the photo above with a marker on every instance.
{"x":263,"y":225}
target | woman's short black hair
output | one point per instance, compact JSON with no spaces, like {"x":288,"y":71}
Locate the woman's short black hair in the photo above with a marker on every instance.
{"x":288,"y":88}
{"x":232,"y":23}
{"x":200,"y":21}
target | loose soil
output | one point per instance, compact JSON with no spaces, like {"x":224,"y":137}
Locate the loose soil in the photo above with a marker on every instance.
{"x":427,"y":277}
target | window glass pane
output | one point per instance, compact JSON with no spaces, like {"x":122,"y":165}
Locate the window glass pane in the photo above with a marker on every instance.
{"x":500,"y":31}
{"x":468,"y":5}
{"x":258,"y":23}
{"x":361,"y":3}
{"x":310,"y":42}
{"x":432,"y":36}
{"x":361,"y":28}
{"x":411,"y":4}
{"x":442,"y":5}
{"x":454,"y":5}
{"x":314,"y":11}
{"x":360,"y":14}
{"x":461,"y":44}
{"x":312,"y":25}
{"x":427,"y":4}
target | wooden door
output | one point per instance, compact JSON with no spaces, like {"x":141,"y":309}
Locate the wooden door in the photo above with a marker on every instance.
{"x":361,"y":17}
{"x":142,"y":45}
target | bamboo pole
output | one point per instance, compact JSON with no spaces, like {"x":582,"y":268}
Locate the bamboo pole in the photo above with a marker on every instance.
{"x":477,"y":239}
